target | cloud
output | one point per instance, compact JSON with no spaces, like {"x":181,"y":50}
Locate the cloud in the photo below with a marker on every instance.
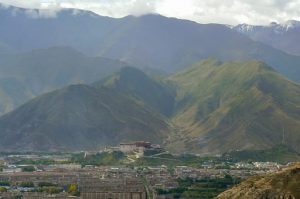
{"x":23,"y":4}
{"x":232,"y":11}
{"x":35,"y":9}
{"x":42,"y":13}
{"x":113,"y":8}
{"x":202,"y":11}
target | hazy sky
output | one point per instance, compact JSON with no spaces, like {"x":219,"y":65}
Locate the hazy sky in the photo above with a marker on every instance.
{"x":202,"y":11}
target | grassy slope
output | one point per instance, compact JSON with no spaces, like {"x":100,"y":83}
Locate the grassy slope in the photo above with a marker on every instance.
{"x":135,"y":83}
{"x":218,"y":108}
{"x":281,"y":154}
{"x":79,"y":117}
{"x":284,"y":184}
{"x":235,"y":106}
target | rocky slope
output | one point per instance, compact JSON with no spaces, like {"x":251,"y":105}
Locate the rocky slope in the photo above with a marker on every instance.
{"x":283,"y":36}
{"x":235,"y":106}
{"x":283,"y":185}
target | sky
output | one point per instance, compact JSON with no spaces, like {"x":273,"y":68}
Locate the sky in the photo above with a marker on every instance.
{"x":256,"y":12}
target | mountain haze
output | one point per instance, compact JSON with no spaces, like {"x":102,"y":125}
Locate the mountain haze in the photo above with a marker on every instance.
{"x":153,"y":41}
{"x":244,"y":96}
{"x":281,"y":36}
{"x":25,"y":75}
{"x":29,"y":29}
{"x":12,"y":94}
{"x":79,"y":117}
{"x":5,"y":49}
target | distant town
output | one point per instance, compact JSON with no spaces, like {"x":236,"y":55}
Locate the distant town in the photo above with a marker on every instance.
{"x":136,"y":170}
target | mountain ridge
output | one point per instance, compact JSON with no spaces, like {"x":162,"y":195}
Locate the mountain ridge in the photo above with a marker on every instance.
{"x":213,"y":107}
{"x":134,"y":82}
{"x":79,"y":117}
{"x":283,"y":36}
{"x":151,"y":41}
{"x":25,"y":75}
{"x":234,"y":106}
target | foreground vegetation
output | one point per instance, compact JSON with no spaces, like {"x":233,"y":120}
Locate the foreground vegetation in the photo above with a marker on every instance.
{"x":204,"y":188}
{"x":280,"y":153}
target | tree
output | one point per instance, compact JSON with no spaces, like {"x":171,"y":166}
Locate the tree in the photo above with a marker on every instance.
{"x":3,"y":189}
{"x":28,"y":169}
{"x":73,"y":190}
{"x":26,"y":184}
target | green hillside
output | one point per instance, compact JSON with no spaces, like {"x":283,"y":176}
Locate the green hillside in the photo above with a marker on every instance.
{"x":79,"y":117}
{"x":210,"y":108}
{"x":235,"y":106}
{"x":135,"y":83}
{"x":280,"y":153}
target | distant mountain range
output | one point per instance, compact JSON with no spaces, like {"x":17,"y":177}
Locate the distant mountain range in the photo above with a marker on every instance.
{"x":285,"y":37}
{"x":211,"y":107}
{"x":151,"y":41}
{"x":25,"y":75}
{"x":223,"y":91}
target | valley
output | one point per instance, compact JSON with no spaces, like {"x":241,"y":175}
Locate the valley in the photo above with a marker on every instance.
{"x":149,"y":99}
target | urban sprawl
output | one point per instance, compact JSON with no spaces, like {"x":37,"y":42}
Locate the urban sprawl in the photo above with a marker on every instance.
{"x":74,"y":175}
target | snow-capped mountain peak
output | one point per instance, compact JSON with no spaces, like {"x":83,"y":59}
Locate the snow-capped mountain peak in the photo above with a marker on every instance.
{"x":277,"y":28}
{"x":244,"y":28}
{"x":291,"y":24}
